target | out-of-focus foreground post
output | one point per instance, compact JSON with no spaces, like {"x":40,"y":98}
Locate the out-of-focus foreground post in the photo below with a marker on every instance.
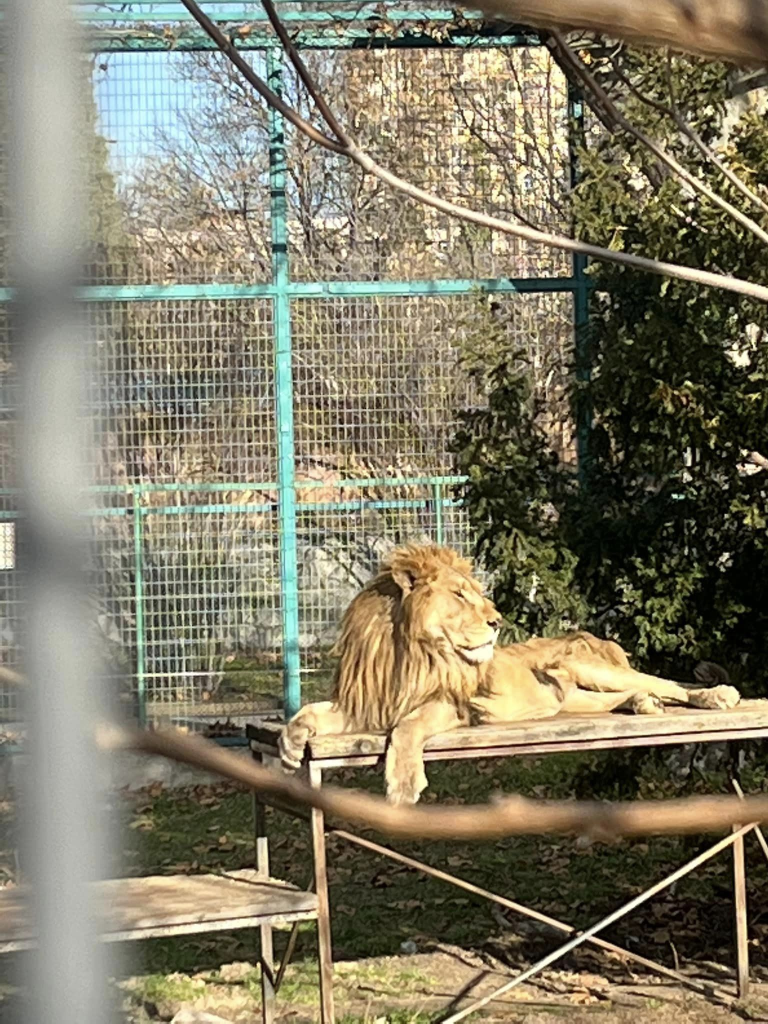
{"x":63,"y":843}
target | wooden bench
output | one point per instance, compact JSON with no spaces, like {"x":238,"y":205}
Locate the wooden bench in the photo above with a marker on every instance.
{"x":165,"y":905}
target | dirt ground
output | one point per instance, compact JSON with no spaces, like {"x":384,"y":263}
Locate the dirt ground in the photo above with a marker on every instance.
{"x":420,"y":988}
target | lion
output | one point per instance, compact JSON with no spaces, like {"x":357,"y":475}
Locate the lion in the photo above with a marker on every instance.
{"x":418,"y":656}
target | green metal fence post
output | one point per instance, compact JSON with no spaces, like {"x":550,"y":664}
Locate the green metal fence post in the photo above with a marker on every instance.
{"x":437,"y":497}
{"x":138,"y":596}
{"x":284,"y":389}
{"x":580,"y":296}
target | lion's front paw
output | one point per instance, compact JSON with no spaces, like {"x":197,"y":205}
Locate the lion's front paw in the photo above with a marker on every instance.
{"x":292,"y":744}
{"x":646,"y":704}
{"x":715,"y":698}
{"x":405,"y":776}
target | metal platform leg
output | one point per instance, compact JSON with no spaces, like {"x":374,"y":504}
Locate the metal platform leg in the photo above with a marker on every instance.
{"x":266,"y":957}
{"x":325,"y":952}
{"x":740,"y":911}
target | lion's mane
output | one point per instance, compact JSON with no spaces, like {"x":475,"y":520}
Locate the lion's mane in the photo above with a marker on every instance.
{"x":385,"y":668}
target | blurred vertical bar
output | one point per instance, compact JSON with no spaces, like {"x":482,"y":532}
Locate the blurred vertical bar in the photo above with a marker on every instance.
{"x":62,"y":843}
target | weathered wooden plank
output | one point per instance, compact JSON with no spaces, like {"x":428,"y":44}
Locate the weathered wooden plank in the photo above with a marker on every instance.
{"x":133,"y":908}
{"x":749,"y":716}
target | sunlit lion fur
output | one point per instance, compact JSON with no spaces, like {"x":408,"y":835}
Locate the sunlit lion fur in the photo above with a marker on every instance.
{"x":385,"y":668}
{"x":417,"y":656}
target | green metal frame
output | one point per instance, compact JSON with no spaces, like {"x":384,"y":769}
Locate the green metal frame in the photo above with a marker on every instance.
{"x":142,"y":29}
{"x":581,"y":292}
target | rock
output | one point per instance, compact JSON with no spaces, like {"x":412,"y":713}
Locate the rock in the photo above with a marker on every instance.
{"x":409,"y":947}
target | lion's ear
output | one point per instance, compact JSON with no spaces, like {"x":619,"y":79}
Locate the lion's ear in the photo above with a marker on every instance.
{"x":404,"y":578}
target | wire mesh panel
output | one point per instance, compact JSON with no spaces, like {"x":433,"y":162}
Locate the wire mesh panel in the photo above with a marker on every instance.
{"x":184,"y":394}
{"x":183,"y":397}
{"x":379,"y":381}
{"x":211,"y":612}
{"x":487,"y":129}
{"x":185,"y":194}
{"x":212,"y":277}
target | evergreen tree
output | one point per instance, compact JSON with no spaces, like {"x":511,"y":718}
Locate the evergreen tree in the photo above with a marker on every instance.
{"x":665,"y":544}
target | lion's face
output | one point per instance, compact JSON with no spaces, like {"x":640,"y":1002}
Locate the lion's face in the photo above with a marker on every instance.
{"x":446,"y":609}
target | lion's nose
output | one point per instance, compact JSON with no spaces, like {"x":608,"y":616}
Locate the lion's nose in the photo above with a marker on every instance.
{"x":495,"y":623}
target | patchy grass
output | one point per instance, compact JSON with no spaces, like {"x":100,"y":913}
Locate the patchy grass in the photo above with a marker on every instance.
{"x":378,"y":905}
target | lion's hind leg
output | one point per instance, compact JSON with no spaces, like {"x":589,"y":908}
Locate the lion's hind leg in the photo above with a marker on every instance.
{"x":592,"y":702}
{"x":321,"y":719}
{"x":598,"y":676}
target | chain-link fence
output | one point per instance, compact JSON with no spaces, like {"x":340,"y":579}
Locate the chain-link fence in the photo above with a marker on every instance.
{"x":281,"y":343}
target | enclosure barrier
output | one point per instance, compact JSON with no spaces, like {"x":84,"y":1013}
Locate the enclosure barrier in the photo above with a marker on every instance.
{"x":199,"y":560}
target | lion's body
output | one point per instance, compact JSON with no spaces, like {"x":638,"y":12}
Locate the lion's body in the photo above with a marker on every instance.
{"x":417,"y":656}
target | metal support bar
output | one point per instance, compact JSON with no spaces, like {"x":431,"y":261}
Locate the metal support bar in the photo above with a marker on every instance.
{"x":583,"y":358}
{"x":740,"y":915}
{"x":284,"y":396}
{"x":138,"y":597}
{"x":289,"y":948}
{"x":616,"y":915}
{"x":437,"y":492}
{"x":324,"y":947}
{"x":758,"y":831}
{"x":219,"y":291}
{"x":350,"y":37}
{"x":519,"y":908}
{"x":266,"y":950}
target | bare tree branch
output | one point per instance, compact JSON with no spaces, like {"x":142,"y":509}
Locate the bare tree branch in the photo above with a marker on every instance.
{"x":511,"y":815}
{"x":368,"y":164}
{"x":661,"y":154}
{"x":261,"y":87}
{"x":731,"y":30}
{"x":301,"y":69}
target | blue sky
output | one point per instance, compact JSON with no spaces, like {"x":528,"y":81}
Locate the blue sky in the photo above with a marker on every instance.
{"x":137,"y":96}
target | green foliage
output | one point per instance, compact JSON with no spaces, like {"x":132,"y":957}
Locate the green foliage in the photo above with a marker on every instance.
{"x":513,"y":492}
{"x":665,"y":546}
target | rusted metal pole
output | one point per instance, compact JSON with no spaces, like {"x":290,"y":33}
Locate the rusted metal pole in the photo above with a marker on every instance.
{"x":740,"y":911}
{"x":519,"y":908}
{"x":325,"y":950}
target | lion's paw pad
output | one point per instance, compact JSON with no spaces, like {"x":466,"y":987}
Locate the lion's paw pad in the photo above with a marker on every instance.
{"x":715,"y":698}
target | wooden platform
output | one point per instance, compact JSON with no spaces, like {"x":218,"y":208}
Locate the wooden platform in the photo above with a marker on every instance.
{"x":552,"y":735}
{"x":162,"y":905}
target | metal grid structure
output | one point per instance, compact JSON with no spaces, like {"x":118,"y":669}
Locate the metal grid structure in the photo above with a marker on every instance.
{"x":280,"y":343}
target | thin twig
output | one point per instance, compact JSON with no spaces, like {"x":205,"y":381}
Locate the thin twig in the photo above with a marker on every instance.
{"x":261,"y":87}
{"x":301,"y":69}
{"x":512,"y":815}
{"x":661,"y":154}
{"x":368,"y":164}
